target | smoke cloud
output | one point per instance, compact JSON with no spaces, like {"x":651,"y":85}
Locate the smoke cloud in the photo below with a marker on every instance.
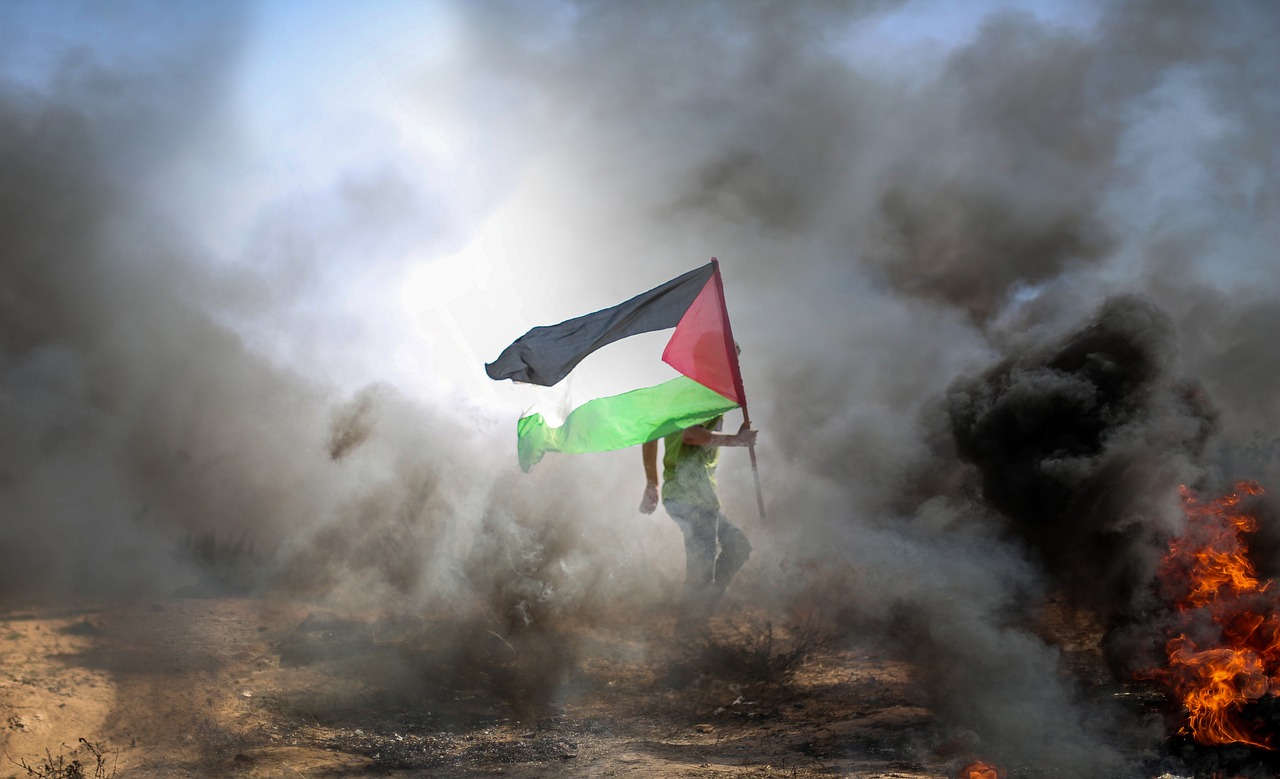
{"x":1001,"y":286}
{"x":1064,"y":440}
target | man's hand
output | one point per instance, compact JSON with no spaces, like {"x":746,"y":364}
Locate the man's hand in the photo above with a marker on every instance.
{"x":650,"y":500}
{"x":700,"y":436}
{"x":745,"y":436}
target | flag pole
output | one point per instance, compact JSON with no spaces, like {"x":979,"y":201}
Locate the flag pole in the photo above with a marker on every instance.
{"x":732,"y":347}
{"x":755,"y":469}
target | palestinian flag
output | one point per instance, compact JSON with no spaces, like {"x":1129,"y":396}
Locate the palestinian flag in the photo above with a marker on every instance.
{"x":701,"y":348}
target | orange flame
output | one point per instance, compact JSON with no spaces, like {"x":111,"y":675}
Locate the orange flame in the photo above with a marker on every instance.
{"x":980,"y":770}
{"x":1225,"y":652}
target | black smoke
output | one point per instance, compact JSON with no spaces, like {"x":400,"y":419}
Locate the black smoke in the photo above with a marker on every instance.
{"x":1081,"y":442}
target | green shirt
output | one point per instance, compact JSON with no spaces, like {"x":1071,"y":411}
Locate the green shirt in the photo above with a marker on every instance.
{"x":689,"y":472}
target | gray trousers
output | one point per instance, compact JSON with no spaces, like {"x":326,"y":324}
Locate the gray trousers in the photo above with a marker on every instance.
{"x":714,"y":550}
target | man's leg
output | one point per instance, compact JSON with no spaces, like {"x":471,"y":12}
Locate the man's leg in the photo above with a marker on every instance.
{"x":699,"y":595}
{"x":734,"y":551}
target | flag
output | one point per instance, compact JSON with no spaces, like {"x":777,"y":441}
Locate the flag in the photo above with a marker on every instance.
{"x":701,"y":348}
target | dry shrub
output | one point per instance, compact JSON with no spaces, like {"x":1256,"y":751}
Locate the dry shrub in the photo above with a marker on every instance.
{"x":71,"y":765}
{"x":755,"y":651}
{"x":232,"y":561}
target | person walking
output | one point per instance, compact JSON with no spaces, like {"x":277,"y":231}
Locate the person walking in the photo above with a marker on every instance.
{"x":714,"y":547}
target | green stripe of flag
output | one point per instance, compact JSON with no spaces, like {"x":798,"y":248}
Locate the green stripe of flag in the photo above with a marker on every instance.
{"x":622,"y":420}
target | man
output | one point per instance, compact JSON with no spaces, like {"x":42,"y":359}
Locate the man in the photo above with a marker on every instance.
{"x":714,"y":548}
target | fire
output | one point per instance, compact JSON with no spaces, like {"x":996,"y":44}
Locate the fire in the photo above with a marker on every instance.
{"x":980,"y":770}
{"x":1224,"y":649}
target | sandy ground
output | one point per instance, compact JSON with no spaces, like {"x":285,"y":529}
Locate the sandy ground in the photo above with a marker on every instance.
{"x":253,"y":687}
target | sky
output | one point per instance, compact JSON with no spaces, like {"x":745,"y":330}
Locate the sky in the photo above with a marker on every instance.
{"x":460,"y":250}
{"x":325,"y":97}
{"x":1003,"y":274}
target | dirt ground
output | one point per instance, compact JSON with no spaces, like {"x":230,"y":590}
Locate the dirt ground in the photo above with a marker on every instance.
{"x":255,"y":687}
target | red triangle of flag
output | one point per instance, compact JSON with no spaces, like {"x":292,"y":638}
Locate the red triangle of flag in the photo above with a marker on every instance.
{"x":700,"y":346}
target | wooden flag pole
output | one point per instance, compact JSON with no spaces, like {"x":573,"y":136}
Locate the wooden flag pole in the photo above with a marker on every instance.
{"x":732,"y":347}
{"x":755,"y":469}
